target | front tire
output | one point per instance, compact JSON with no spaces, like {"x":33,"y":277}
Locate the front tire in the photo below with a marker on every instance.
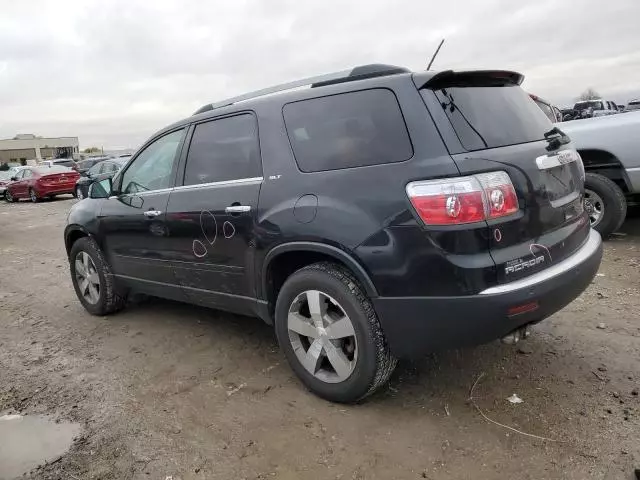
{"x":33,"y":196}
{"x":92,"y":279}
{"x":330,"y":334}
{"x":605,"y":204}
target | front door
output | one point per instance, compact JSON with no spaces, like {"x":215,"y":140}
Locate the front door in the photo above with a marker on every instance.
{"x":211,"y":214}
{"x":133,"y":220}
{"x":19,"y":186}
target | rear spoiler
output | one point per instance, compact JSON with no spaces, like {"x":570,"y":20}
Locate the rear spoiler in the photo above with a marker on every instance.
{"x":477,"y":78}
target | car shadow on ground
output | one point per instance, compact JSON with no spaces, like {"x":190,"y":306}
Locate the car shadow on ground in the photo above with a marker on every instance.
{"x":433,"y":379}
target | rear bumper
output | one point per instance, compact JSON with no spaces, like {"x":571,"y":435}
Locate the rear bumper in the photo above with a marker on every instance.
{"x":43,"y":191}
{"x":417,"y":325}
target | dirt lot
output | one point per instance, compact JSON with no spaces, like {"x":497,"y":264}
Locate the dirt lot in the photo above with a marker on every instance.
{"x":170,"y":391}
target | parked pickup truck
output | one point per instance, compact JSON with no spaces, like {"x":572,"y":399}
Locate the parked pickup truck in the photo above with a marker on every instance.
{"x":610,"y":150}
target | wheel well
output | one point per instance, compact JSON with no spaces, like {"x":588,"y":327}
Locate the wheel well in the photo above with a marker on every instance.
{"x":285,"y":264}
{"x":606,"y":164}
{"x":72,"y":237}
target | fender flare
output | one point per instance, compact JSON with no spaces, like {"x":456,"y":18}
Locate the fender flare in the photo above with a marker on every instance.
{"x":340,"y":255}
{"x":69,"y":230}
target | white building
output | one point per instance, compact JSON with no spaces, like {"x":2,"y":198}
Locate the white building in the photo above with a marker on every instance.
{"x":28,"y":148}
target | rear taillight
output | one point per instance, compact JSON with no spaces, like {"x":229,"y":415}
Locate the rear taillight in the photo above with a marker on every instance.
{"x":460,"y":200}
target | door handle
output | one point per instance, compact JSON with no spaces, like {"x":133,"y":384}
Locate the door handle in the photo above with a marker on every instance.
{"x":152,"y":213}
{"x":238,"y":209}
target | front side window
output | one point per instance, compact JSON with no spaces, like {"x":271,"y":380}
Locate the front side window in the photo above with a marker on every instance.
{"x":223,"y":149}
{"x":26,"y":174}
{"x":352,"y":129}
{"x":153,"y":168}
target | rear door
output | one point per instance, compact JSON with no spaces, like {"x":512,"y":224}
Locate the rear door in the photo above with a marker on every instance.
{"x":497,"y":127}
{"x":211,"y":214}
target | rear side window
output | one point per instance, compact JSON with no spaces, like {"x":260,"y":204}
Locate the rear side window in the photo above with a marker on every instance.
{"x":490,"y":117}
{"x":347,"y":130}
{"x":224,"y":149}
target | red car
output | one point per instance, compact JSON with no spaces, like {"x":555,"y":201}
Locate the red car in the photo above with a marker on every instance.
{"x":37,"y":183}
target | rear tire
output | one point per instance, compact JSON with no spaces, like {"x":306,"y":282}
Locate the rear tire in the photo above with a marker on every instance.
{"x":78,"y":193}
{"x":365,"y":349}
{"x":605,"y":203}
{"x":108,"y":299}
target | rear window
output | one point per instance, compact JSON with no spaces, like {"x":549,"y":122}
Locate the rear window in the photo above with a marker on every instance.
{"x":596,"y":105}
{"x":490,"y":117}
{"x":352,"y":129}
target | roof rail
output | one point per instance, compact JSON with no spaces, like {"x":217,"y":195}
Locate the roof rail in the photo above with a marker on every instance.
{"x":357,"y":73}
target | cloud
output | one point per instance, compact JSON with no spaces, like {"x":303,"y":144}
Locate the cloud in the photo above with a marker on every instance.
{"x":114,"y":72}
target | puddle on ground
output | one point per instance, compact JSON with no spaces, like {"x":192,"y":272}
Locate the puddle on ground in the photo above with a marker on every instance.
{"x":30,"y":440}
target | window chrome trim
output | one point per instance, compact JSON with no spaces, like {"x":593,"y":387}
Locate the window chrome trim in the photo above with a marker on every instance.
{"x":224,"y":183}
{"x":590,"y":247}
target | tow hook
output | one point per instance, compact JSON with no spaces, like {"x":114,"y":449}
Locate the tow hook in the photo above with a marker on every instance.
{"x":517,"y":335}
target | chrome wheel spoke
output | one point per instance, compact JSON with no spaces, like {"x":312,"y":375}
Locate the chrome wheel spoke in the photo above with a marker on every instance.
{"x":80,"y":270}
{"x":312,"y":357}
{"x":338,"y":360}
{"x":301,"y":325}
{"x":94,"y":278}
{"x":340,"y":329}
{"x":87,"y":278}
{"x":322,"y":336}
{"x":317,"y":307}
{"x":93,"y":292}
{"x":84,"y":286}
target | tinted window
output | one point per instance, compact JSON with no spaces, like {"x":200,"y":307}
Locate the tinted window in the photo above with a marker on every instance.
{"x":153,"y":168}
{"x":26,"y":174}
{"x":594,"y":104}
{"x":224,"y":149}
{"x":489,"y":117}
{"x":347,"y":130}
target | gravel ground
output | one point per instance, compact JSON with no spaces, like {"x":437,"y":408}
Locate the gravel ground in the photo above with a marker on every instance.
{"x":170,"y":391}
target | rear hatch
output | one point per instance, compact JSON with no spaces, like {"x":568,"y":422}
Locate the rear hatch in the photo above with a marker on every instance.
{"x":490,"y":124}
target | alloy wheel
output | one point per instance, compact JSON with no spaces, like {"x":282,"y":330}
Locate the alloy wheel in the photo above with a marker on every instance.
{"x":322,"y":336}
{"x":594,"y":205}
{"x":7,"y":195}
{"x":33,"y":196}
{"x":87,"y":278}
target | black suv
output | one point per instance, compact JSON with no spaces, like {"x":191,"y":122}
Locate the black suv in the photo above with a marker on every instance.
{"x":368,"y":215}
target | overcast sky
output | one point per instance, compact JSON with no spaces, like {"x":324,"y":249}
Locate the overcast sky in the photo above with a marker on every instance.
{"x":112,"y":72}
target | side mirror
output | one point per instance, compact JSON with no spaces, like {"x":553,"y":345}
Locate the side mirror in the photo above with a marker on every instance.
{"x":100,"y":189}
{"x":13,"y":179}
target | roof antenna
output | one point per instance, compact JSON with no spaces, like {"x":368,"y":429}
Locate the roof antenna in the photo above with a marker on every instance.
{"x":434,"y":55}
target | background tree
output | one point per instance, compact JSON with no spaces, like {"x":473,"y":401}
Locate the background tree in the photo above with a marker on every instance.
{"x":91,"y":150}
{"x":589,"y":94}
